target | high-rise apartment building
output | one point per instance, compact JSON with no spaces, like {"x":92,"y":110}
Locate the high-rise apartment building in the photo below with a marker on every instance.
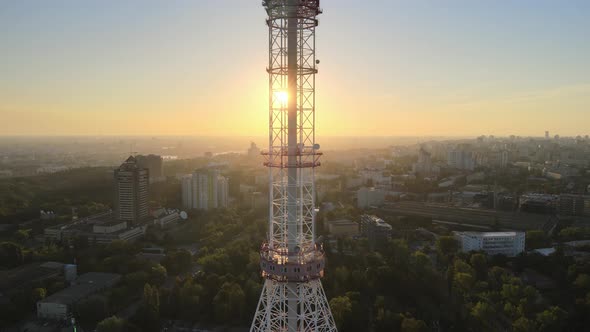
{"x":424,"y":165}
{"x":131,"y":192}
{"x":205,"y":189}
{"x":154,"y":164}
{"x":186,"y":183}
{"x":461,"y":158}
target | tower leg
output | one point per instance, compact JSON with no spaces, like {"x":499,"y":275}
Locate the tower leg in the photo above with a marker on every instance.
{"x":312,"y":312}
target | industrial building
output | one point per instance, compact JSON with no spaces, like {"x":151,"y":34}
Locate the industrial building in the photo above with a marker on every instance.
{"x":493,"y":243}
{"x":58,"y":306}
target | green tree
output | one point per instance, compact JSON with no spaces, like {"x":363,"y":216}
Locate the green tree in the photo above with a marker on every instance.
{"x":11,"y":255}
{"x":112,"y":324}
{"x":92,"y":310}
{"x":410,"y":324}
{"x":447,"y":245}
{"x":147,"y":317}
{"x":151,"y":298}
{"x":38,"y":294}
{"x":484,"y":315}
{"x":341,"y":307}
{"x":229,"y":303}
{"x":157,"y":275}
{"x":22,"y":235}
{"x":523,"y":324}
{"x":177,"y":261}
{"x":536,"y":239}
{"x":552,"y":319}
{"x":582,"y":281}
{"x":479,"y":263}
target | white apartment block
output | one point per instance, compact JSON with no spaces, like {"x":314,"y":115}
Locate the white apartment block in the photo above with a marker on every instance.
{"x":205,"y":189}
{"x":493,"y":243}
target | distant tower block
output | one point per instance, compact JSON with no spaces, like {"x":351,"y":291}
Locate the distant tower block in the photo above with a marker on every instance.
{"x":292,"y":263}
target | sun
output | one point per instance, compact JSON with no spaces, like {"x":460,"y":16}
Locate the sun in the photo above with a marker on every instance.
{"x":281,"y":97}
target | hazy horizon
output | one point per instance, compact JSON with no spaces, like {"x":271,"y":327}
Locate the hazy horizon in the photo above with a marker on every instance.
{"x":388,"y":68}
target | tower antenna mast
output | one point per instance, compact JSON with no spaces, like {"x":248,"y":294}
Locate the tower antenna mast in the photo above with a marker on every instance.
{"x":292,"y":263}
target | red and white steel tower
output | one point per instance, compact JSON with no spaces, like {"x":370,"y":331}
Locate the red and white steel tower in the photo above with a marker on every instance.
{"x":292,"y":262}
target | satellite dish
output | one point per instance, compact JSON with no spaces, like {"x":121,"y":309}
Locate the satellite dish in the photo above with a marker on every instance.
{"x":183,"y":215}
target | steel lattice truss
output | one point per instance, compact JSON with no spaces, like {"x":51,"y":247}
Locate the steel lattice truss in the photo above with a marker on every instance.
{"x":309,"y":301}
{"x":292,"y":263}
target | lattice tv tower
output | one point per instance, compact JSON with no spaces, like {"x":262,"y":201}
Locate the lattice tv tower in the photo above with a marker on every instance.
{"x":292,"y":262}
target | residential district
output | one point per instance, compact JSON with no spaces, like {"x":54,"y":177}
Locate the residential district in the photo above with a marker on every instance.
{"x":491,"y":233}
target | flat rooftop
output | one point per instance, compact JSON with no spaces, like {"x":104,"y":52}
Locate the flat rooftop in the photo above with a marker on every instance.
{"x":85,"y":285}
{"x":342,"y":222}
{"x":30,"y":273}
{"x":490,"y":234}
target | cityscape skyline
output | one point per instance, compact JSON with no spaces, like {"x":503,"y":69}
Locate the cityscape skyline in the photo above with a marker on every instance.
{"x":466,"y":68}
{"x":161,"y":171}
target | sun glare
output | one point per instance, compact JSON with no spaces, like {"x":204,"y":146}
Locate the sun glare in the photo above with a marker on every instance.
{"x":281,"y":97}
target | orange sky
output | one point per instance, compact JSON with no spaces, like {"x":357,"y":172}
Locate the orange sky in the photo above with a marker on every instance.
{"x":409,"y":69}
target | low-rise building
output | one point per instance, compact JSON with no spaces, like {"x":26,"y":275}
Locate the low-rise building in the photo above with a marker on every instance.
{"x":343,"y":228}
{"x":539,"y":203}
{"x":58,"y":306}
{"x":98,"y":229}
{"x":368,"y":197}
{"x":493,"y":243}
{"x":166,"y":217}
{"x":30,"y":274}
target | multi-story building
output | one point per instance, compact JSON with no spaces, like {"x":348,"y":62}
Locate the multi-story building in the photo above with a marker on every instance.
{"x":367,"y":197}
{"x":538,"y":203}
{"x":131,"y":192}
{"x":462,"y":159}
{"x":186,"y":183}
{"x":253,"y":151}
{"x":222,"y":191}
{"x":101,"y":228}
{"x":59,"y":306}
{"x":574,"y":205}
{"x":205,"y":189}
{"x":342,"y":228}
{"x":424,"y":165}
{"x":375,"y":229}
{"x":493,"y":243}
{"x":154,"y":164}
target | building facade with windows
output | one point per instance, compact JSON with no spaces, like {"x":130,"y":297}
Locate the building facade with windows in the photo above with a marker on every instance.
{"x":205,"y":189}
{"x":493,"y":243}
{"x":131,"y":192}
